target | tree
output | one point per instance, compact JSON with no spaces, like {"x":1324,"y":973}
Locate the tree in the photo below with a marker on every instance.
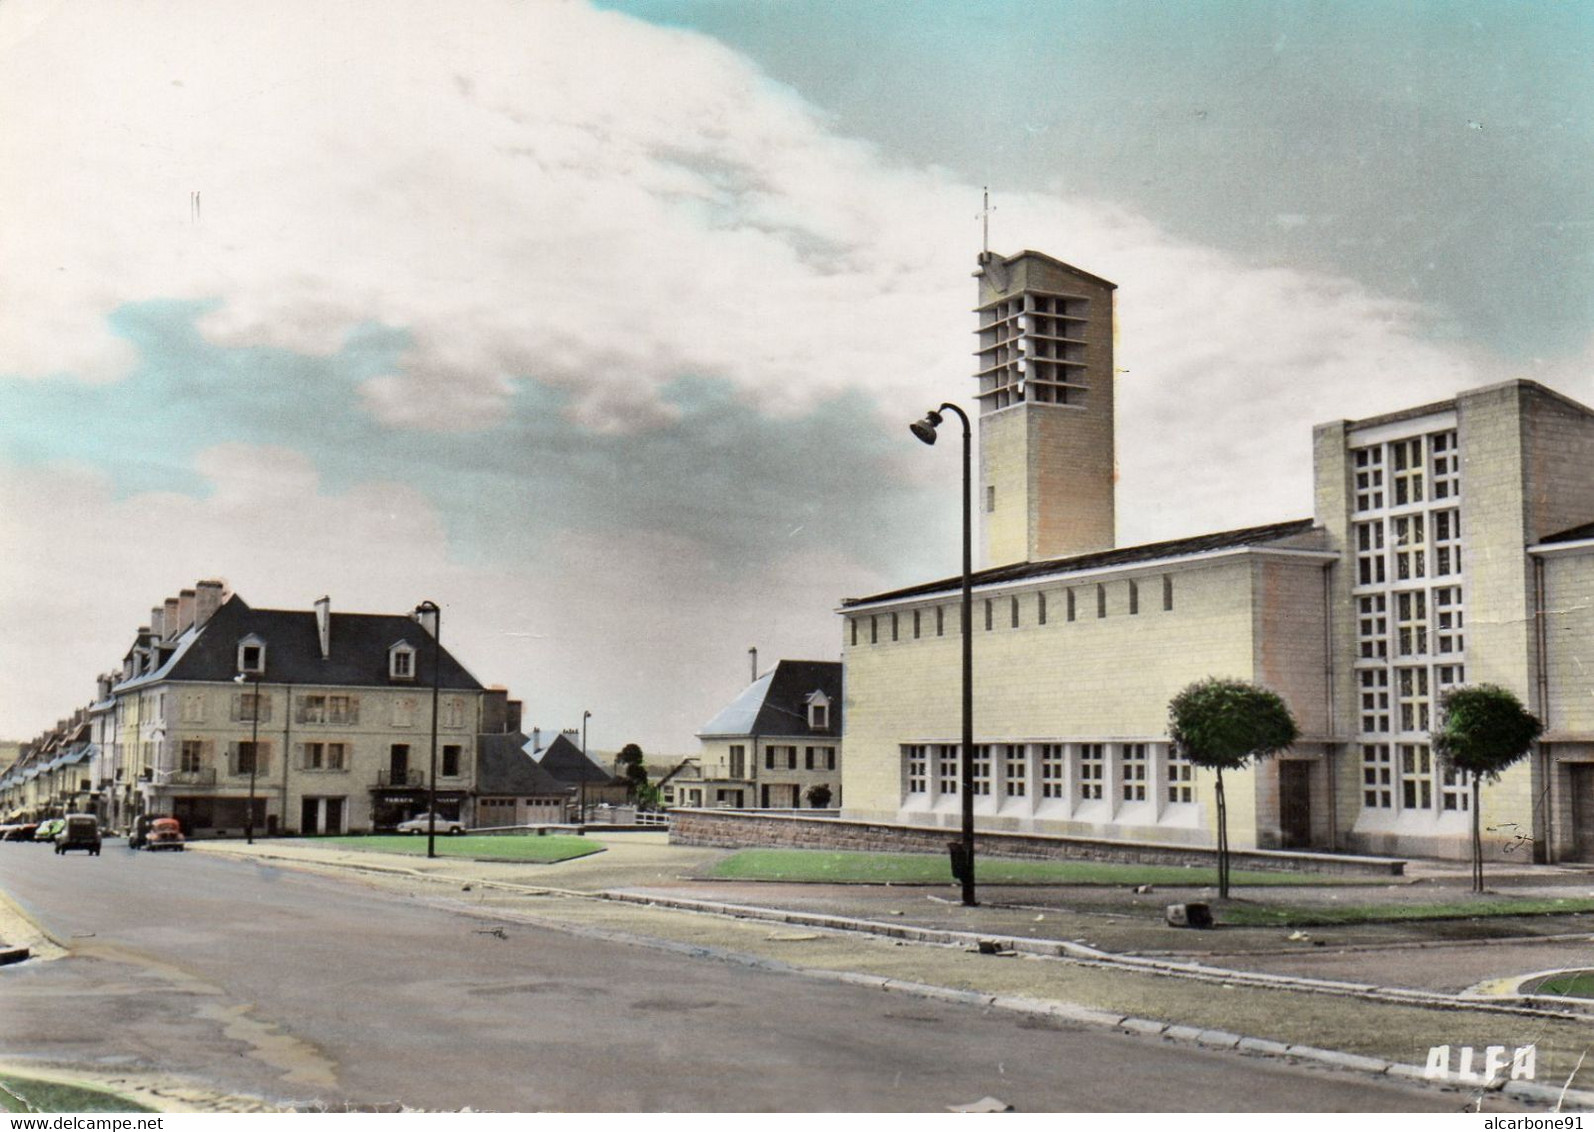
{"x":1222,"y":725}
{"x":1482,"y":730}
{"x":819,"y":796}
{"x":633,"y":768}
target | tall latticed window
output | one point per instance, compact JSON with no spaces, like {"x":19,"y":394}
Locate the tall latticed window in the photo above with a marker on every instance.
{"x":1053,"y":762}
{"x":1136,"y":768}
{"x":946,"y":768}
{"x":1181,"y":777}
{"x":1014,"y":771}
{"x":1378,"y":790}
{"x":918,"y":760}
{"x":1092,"y":771}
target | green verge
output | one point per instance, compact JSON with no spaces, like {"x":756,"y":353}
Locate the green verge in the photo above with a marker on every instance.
{"x":813,"y":866}
{"x":27,"y":1094}
{"x":1572,"y":984}
{"x":545,"y":850}
{"x":1256,"y":915}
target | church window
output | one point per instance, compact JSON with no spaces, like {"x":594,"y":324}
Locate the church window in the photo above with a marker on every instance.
{"x":918,"y":760}
{"x":1410,"y":547}
{"x":1377,"y":786}
{"x":982,"y":769}
{"x":946,"y":768}
{"x":1446,"y":542}
{"x":1408,"y":471}
{"x":1167,"y":593}
{"x":1454,"y":794}
{"x":1014,"y":771}
{"x":1449,"y":620}
{"x":1369,"y":464}
{"x":1101,"y":600}
{"x":988,"y":614}
{"x":1372,"y":626}
{"x":1092,"y":771}
{"x":1411,"y":623}
{"x":1040,"y":609}
{"x":990,"y":499}
{"x":1134,"y":598}
{"x":1052,"y":763}
{"x":1374,"y":683}
{"x":915,"y":624}
{"x":1135,"y":768}
{"x":1446,"y":467}
{"x":1411,"y":693}
{"x":1181,"y":778}
{"x":940,"y":620}
{"x":1070,"y":604}
{"x":1015,"y":612}
{"x":874,"y":629}
{"x":893,"y":626}
{"x":1416,"y":776}
{"x":1370,"y":567}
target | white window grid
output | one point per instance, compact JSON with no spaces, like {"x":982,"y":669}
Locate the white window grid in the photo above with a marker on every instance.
{"x":1053,"y":763}
{"x":1378,"y":791}
{"x":1092,"y":771}
{"x":1446,"y":466}
{"x":1411,"y":623}
{"x":1409,"y":534}
{"x":1445,"y":528}
{"x":1412,"y":698}
{"x":1371,"y":562}
{"x":1372,"y":626}
{"x":1454,"y":794}
{"x":1369,"y":463}
{"x":1181,"y":778}
{"x":1416,"y":776}
{"x":1136,"y":772}
{"x":982,"y":770}
{"x":1406,"y":466}
{"x":1374,"y":691}
{"x":1015,"y":772}
{"x":946,"y":769}
{"x":1449,"y":621}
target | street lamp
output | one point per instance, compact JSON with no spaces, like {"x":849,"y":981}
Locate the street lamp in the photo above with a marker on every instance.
{"x":963,"y":853}
{"x":586,"y":715}
{"x":254,"y":750}
{"x":432,"y":609}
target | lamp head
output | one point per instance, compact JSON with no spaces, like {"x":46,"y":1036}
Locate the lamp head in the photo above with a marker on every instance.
{"x":925,"y":429}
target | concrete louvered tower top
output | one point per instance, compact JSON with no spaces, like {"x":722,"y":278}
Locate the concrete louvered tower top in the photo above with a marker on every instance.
{"x":1045,"y":368}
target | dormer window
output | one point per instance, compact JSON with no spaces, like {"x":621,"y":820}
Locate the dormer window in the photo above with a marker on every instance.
{"x":401,"y":661}
{"x":252,"y":655}
{"x":818,"y":712}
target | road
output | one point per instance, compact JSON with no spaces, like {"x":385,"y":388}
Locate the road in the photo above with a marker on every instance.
{"x":307,"y":989}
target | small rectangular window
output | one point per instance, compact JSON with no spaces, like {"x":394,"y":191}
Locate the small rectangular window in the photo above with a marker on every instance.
{"x":915,"y":624}
{"x":1134,"y":598}
{"x":1167,"y":592}
{"x":1040,"y":609}
{"x":988,"y":613}
{"x":1101,"y":600}
{"x":990,"y":499}
{"x":940,"y":621}
{"x":1070,"y":603}
{"x":893,"y":626}
{"x":874,"y":629}
{"x":1015,"y":613}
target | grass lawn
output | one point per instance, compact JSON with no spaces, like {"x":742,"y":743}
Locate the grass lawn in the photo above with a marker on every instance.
{"x":545,"y":850}
{"x":1256,"y":915}
{"x":818,"y":866}
{"x":25,"y":1094}
{"x":1572,"y":984}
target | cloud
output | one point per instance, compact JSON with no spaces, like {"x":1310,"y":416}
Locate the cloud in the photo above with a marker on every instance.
{"x":591,"y":622}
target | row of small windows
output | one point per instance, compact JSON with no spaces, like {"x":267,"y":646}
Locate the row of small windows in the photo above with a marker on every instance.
{"x":1008,"y":612}
{"x":780,"y":757}
{"x":1406,"y":776}
{"x":196,"y":757}
{"x":1055,"y":771}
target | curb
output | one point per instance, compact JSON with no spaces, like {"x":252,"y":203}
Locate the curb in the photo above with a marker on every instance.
{"x":1560,"y":1097}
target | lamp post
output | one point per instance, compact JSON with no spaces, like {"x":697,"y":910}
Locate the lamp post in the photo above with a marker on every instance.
{"x":432,"y":609}
{"x":964,"y":856}
{"x":586,"y":715}
{"x":254,"y":750}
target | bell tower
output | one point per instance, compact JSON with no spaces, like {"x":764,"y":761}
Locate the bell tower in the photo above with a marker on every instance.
{"x":1045,"y":372}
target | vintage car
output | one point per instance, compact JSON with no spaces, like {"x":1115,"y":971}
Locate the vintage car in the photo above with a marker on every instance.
{"x":421,"y":823}
{"x":164,"y":833}
{"x":79,"y":831}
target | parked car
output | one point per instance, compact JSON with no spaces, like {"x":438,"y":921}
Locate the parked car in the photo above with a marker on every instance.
{"x":164,"y":833}
{"x":22,"y":831}
{"x":48,"y":829}
{"x":79,"y":831}
{"x":421,"y":822}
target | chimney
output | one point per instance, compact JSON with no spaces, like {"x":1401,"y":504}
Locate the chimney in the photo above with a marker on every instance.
{"x":185,"y":610}
{"x":753,"y":656}
{"x":170,"y":625}
{"x":156,"y":618}
{"x":207,"y":599}
{"x":513,"y":723}
{"x":536,"y":739}
{"x":323,"y":625}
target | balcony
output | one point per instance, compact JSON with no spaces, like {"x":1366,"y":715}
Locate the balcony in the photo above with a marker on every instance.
{"x":400,"y":778}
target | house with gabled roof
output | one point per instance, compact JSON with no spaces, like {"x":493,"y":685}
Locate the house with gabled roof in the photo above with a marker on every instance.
{"x":777,"y":745}
{"x":321,"y":720}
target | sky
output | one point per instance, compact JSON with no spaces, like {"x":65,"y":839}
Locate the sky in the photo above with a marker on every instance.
{"x":600,"y":325}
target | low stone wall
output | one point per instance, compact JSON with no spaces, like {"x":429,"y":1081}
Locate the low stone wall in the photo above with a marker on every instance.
{"x":743,"y":829}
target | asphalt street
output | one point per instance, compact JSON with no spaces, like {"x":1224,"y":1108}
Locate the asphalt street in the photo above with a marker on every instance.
{"x":307,"y":989}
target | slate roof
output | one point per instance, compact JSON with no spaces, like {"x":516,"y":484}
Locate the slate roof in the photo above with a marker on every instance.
{"x":565,"y":763}
{"x":503,"y":766}
{"x":360,"y":643}
{"x":1102,"y":559}
{"x":777,"y":702}
{"x":1573,"y":534}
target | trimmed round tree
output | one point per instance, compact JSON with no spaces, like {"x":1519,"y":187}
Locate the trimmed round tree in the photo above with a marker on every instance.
{"x":1482,"y":730}
{"x":1223,"y":725}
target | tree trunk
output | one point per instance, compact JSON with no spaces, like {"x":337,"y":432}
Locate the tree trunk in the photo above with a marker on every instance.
{"x":1223,"y":841}
{"x":1477,"y":839}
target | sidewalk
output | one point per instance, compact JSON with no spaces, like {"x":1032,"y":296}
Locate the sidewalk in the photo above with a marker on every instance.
{"x":1372,"y":997}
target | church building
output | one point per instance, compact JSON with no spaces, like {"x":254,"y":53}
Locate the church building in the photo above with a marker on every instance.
{"x":1450,"y":543}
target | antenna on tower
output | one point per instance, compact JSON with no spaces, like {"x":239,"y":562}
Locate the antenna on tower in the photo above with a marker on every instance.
{"x":984,"y":218}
